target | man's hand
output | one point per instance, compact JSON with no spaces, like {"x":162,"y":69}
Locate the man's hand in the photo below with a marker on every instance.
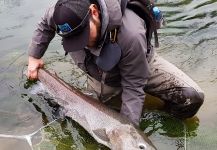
{"x":33,"y":66}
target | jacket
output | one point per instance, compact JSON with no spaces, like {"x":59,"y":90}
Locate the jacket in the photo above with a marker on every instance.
{"x":132,"y":71}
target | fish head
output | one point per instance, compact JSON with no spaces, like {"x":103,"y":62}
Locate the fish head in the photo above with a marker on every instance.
{"x":127,"y":137}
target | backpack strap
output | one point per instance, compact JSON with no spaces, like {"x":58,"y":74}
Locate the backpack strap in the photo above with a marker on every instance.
{"x":123,"y":6}
{"x":143,"y":8}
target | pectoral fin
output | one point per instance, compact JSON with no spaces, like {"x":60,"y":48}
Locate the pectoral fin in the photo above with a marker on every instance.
{"x":101,"y":134}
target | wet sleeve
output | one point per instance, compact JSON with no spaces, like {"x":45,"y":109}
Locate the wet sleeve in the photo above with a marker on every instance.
{"x":134,"y":72}
{"x":43,"y":34}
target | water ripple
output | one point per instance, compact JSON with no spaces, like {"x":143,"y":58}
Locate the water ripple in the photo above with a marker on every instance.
{"x":6,"y":37}
{"x":188,"y":16}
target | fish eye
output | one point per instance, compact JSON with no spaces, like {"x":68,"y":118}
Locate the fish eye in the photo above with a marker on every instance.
{"x":142,"y":146}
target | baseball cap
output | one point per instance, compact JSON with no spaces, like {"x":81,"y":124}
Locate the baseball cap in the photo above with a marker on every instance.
{"x":72,"y":21}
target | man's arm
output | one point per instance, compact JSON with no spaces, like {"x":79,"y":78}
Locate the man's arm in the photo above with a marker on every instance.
{"x":42,"y":36}
{"x":134,"y":71}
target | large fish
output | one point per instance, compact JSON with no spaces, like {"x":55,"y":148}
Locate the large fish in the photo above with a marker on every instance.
{"x":108,"y":127}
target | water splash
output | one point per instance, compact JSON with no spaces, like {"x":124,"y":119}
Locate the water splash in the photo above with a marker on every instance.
{"x":37,"y":89}
{"x":27,"y":137}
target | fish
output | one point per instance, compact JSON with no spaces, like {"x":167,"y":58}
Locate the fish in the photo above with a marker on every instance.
{"x":104,"y":124}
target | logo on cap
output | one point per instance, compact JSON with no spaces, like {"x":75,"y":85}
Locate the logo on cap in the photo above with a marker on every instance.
{"x":65,"y":28}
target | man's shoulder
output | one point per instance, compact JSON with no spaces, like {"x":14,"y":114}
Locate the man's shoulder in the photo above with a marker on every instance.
{"x":132,"y":30}
{"x":132,"y":25}
{"x":49,"y":12}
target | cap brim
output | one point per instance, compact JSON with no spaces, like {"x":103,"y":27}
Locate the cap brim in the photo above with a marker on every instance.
{"x":78,"y":41}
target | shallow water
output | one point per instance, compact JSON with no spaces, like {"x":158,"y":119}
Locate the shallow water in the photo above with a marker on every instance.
{"x":188,"y":41}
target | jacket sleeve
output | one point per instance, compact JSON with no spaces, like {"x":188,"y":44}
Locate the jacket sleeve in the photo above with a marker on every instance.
{"x":42,"y":36}
{"x":134,"y":70}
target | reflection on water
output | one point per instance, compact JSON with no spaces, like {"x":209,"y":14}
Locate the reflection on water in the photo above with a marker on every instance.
{"x":188,"y":40}
{"x":166,"y":125}
{"x":167,"y":131}
{"x":67,"y":135}
{"x":191,"y":28}
{"x":28,"y":137}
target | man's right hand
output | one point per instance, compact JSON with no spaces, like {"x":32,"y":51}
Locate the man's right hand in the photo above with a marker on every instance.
{"x":33,"y":66}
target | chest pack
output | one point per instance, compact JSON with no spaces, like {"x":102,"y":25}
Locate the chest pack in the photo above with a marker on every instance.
{"x":152,"y":16}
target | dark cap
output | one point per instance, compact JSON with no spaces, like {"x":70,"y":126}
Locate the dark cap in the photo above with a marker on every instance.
{"x":72,"y":20}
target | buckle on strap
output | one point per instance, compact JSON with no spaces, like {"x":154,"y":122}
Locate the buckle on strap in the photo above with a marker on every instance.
{"x":113,"y":35}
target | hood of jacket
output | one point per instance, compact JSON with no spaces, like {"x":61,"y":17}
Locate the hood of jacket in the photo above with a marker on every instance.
{"x":111,"y":14}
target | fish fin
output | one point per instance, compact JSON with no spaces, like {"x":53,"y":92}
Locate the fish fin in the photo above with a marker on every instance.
{"x":101,"y":134}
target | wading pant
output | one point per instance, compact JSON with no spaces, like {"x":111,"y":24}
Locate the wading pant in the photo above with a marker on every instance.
{"x":181,"y":95}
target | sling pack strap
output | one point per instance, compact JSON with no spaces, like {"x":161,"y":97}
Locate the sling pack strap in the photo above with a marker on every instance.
{"x":123,"y":5}
{"x":102,"y":85}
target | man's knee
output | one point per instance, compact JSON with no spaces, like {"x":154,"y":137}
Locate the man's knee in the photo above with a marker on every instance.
{"x":187,"y":104}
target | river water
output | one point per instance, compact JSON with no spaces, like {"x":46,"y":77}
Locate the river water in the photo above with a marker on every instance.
{"x":188,"y":40}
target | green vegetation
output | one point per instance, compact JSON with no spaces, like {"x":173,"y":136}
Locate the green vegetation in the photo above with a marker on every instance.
{"x":67,"y":135}
{"x":166,"y":125}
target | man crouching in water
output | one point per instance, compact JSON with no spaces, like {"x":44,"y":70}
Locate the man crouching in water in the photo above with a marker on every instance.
{"x":112,"y":48}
